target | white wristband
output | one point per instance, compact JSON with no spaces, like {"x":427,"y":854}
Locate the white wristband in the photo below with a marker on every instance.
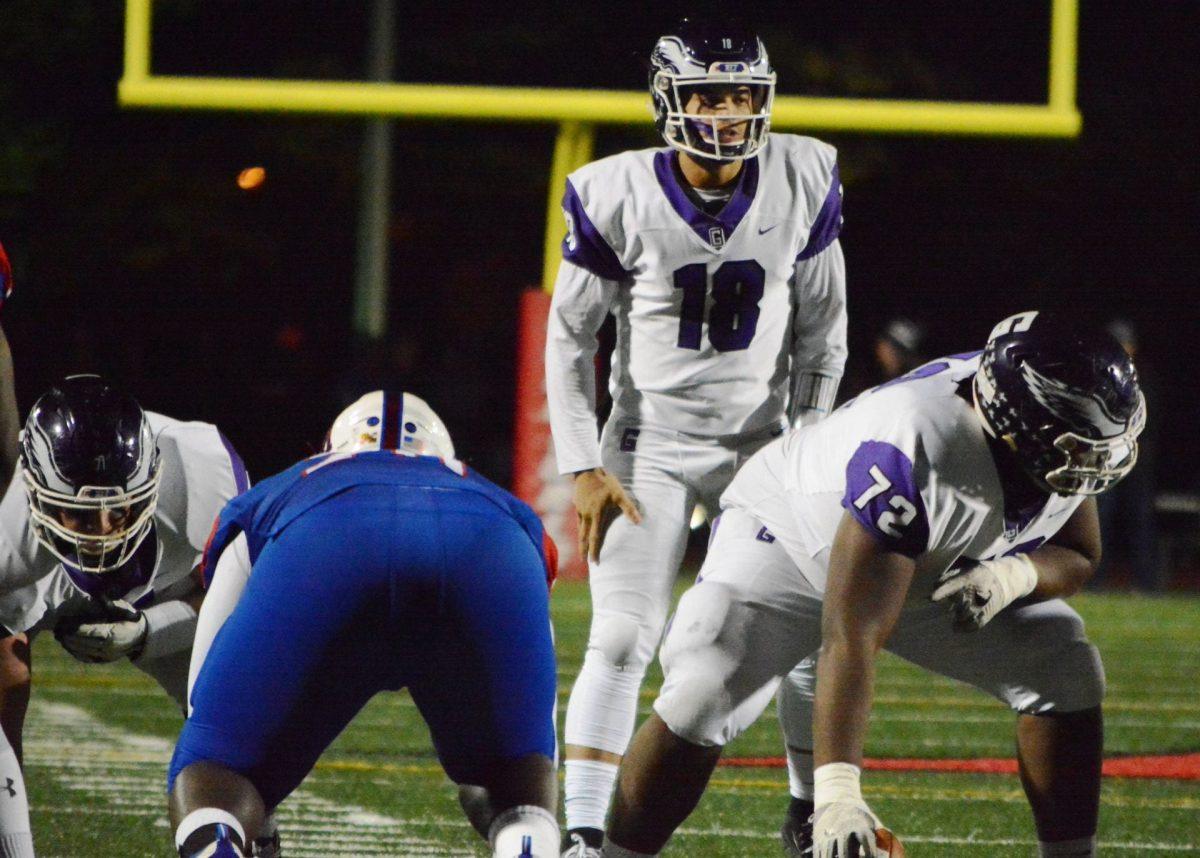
{"x":1017,"y":575}
{"x":837,"y":782}
{"x":170,"y":628}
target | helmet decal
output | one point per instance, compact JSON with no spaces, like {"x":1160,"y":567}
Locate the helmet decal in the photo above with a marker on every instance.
{"x":1064,"y":398}
{"x":1076,"y":407}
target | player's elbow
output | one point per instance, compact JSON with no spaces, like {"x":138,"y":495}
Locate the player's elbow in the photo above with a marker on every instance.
{"x":1084,"y":564}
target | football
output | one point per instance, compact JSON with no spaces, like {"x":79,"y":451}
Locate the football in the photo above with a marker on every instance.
{"x":887,"y":845}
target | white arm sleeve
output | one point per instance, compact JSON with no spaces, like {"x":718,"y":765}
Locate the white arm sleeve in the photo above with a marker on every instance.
{"x":818,"y":334}
{"x":581,"y":301}
{"x":228,"y":581}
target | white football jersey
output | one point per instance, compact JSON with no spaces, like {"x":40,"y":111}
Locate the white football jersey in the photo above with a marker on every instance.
{"x":714,"y":313}
{"x":910,"y":462}
{"x":200,"y":472}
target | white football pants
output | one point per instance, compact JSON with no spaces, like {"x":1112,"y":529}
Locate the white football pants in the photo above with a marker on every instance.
{"x":754,"y":615}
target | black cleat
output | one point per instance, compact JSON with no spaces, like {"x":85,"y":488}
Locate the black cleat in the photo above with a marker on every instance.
{"x":797,"y":830}
{"x":582,"y":843}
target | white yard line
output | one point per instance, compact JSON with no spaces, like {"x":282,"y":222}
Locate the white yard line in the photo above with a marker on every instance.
{"x":118,"y":773}
{"x":122,"y":774}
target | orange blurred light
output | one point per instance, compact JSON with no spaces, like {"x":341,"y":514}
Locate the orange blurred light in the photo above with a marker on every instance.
{"x":251,"y":178}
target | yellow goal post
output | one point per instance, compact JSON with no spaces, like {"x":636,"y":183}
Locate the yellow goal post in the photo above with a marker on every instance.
{"x":576,"y":112}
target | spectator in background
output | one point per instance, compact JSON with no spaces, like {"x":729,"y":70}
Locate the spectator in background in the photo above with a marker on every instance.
{"x":1127,"y":522}
{"x":900,"y":347}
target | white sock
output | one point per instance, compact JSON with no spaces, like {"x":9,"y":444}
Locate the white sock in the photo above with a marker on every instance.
{"x":1084,"y":847}
{"x":16,"y":835}
{"x":600,"y":714}
{"x":612,"y":850}
{"x":197,"y":819}
{"x":794,"y":702}
{"x":16,"y":845}
{"x":524,"y":831}
{"x":589,"y":787}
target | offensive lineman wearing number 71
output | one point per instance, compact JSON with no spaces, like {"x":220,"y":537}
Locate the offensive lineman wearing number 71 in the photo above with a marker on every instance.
{"x":719,"y":258}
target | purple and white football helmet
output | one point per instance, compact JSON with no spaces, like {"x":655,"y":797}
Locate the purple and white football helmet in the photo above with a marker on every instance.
{"x":695,"y":57}
{"x":1064,"y":398}
{"x":91,"y":468}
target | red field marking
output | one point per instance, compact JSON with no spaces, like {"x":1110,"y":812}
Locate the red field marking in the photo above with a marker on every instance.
{"x":1181,"y":767}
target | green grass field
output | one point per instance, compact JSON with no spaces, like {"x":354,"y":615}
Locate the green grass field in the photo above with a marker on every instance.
{"x":98,"y":739}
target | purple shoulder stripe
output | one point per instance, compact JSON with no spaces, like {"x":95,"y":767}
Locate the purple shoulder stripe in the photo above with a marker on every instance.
{"x":882,"y":495}
{"x":828,"y":225}
{"x":584,"y":245}
{"x":240,"y":478}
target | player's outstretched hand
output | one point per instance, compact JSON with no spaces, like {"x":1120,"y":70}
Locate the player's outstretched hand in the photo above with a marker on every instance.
{"x":111,"y":630}
{"x":600,"y":498}
{"x":844,"y":829}
{"x":977,"y":594}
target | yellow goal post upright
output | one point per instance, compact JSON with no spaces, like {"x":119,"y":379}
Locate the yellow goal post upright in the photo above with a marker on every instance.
{"x":576,"y":113}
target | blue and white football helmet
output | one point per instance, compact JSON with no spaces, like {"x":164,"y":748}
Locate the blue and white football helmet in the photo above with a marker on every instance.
{"x":695,"y":58}
{"x":382,"y":420}
{"x":91,"y":468}
{"x":1065,"y":399}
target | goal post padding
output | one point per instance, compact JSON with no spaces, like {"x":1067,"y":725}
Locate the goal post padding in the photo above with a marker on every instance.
{"x":535,"y":473}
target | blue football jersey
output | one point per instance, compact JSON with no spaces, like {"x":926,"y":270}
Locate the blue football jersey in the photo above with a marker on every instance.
{"x":273,"y":504}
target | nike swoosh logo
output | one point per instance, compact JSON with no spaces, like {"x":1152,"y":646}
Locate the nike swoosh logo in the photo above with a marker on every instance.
{"x":762,"y":231}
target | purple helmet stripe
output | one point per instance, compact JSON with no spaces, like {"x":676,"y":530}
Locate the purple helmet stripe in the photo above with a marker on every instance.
{"x":393,"y":407}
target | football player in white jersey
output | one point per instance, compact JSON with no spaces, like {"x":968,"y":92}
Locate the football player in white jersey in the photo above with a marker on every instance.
{"x":719,"y":258}
{"x":101,"y":531}
{"x":944,"y":516}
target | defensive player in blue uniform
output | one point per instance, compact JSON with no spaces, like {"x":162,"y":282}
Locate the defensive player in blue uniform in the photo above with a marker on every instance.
{"x":379,"y":564}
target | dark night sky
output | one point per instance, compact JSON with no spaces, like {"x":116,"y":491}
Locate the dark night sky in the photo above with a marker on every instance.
{"x":137,"y":255}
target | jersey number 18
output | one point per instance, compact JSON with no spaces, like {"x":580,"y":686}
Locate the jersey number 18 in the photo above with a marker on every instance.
{"x":737,"y":287}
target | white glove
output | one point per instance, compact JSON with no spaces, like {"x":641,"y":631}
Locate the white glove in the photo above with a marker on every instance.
{"x":844,"y":829}
{"x":976,"y":595}
{"x":119,"y":631}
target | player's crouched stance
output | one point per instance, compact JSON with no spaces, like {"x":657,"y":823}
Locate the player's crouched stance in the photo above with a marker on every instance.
{"x":964,"y":486}
{"x":379,"y":564}
{"x":100,"y":533}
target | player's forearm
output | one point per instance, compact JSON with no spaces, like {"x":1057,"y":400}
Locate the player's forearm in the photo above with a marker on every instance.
{"x":821,"y":321}
{"x":1071,"y":557}
{"x":170,"y":629}
{"x":845,"y":688}
{"x":580,"y":305}
{"x":571,"y":398}
{"x":813,"y":395}
{"x":1061,"y":571}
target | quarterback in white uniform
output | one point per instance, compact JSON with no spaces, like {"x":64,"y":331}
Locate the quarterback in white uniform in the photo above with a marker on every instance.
{"x":942,"y":516}
{"x":719,"y":258}
{"x":101,"y":531}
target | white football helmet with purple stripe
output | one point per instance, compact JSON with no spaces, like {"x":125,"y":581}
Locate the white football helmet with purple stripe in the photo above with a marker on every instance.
{"x":383,"y":420}
{"x":698,"y":58}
